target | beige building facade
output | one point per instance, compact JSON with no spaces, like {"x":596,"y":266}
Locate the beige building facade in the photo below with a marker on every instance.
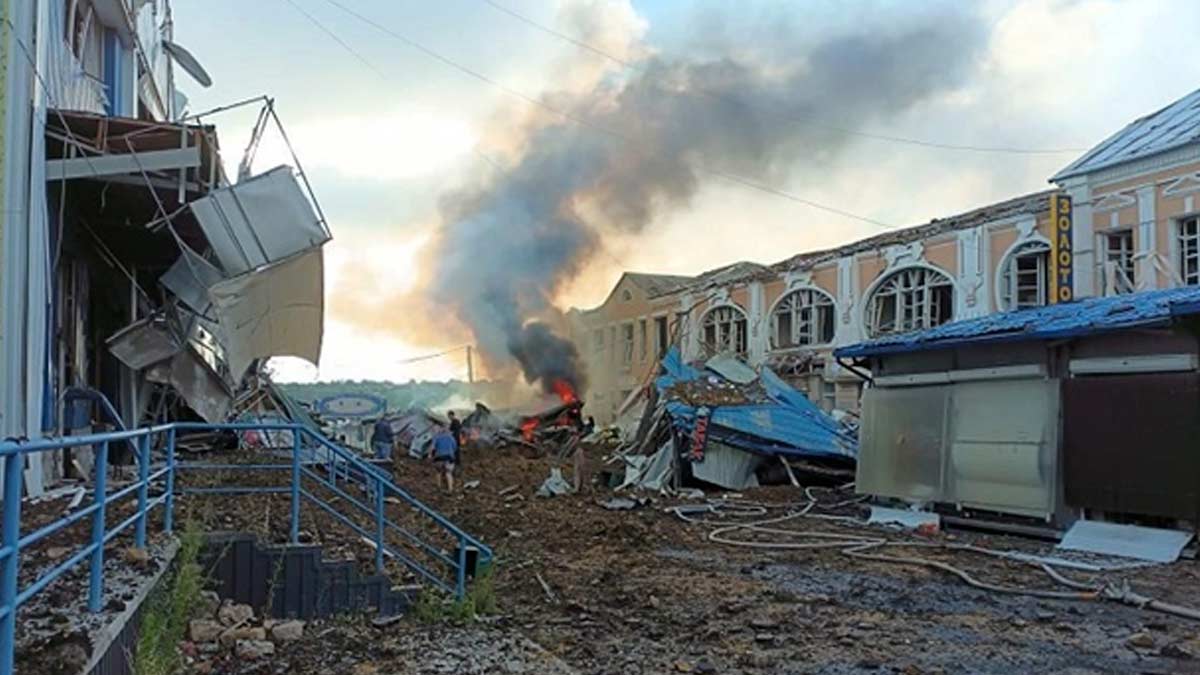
{"x":1136,"y":206}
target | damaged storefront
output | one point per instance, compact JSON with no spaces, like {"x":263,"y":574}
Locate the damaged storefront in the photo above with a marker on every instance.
{"x":1082,"y":410}
{"x":171,"y":282}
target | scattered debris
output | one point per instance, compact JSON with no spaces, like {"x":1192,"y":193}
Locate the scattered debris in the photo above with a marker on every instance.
{"x":232,"y":614}
{"x":546,"y":587}
{"x":905,"y":518}
{"x":624,"y":503}
{"x":555,"y":485}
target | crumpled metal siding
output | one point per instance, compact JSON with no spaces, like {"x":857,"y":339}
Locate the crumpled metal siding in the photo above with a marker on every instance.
{"x":786,"y":423}
{"x":1084,"y":317}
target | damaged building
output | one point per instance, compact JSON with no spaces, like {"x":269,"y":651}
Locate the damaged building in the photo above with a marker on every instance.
{"x":1083,"y":409}
{"x":1075,"y":409}
{"x":141,"y":283}
{"x":1135,"y":229}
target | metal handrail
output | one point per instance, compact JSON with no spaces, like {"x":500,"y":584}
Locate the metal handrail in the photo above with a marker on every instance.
{"x":376,"y":486}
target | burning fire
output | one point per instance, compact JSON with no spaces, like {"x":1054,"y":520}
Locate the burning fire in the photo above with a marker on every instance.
{"x":527,"y":428}
{"x":565,"y":391}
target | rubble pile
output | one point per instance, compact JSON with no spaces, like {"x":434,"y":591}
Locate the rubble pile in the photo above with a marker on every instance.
{"x":725,"y":424}
{"x":224,"y":636}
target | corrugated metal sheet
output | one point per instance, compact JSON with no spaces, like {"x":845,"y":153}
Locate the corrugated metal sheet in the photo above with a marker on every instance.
{"x":989,"y":445}
{"x":1141,"y":461}
{"x":727,"y":467}
{"x":1171,"y":127}
{"x":1085,"y":317}
{"x":784,"y":422}
{"x":1127,"y":541}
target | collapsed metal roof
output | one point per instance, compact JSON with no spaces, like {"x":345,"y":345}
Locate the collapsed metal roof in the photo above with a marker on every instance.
{"x":1173,"y":126}
{"x":1074,"y":319}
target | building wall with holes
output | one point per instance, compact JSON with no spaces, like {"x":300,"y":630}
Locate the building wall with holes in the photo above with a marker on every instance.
{"x":973,"y":261}
{"x":599,"y":336}
{"x":1154,"y":210}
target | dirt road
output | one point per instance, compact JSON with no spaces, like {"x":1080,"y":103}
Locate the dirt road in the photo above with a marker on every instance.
{"x":641,"y":591}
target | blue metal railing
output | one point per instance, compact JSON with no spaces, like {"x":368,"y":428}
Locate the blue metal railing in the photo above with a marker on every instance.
{"x":360,"y":489}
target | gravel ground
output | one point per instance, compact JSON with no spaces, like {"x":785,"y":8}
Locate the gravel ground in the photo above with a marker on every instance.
{"x":643,"y":592}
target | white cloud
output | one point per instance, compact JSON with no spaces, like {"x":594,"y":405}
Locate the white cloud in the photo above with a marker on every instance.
{"x":391,"y":146}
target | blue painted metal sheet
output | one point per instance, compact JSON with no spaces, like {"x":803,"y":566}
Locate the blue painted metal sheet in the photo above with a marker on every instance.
{"x":784,"y":422}
{"x":1084,"y":317}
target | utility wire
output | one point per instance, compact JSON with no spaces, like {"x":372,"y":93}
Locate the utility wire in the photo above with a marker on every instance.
{"x":583,"y":123}
{"x":730,"y":99}
{"x":366,"y":62}
{"x":429,"y":357}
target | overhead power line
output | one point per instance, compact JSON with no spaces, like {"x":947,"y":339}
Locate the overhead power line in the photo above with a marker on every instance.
{"x":584,"y":123}
{"x":430,"y":357}
{"x":366,"y":62}
{"x":624,"y":63}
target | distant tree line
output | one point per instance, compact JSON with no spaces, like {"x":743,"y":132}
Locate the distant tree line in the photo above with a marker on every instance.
{"x":397,"y":394}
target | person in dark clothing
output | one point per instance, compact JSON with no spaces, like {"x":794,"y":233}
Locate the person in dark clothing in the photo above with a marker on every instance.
{"x":588,"y":427}
{"x":382,"y":439}
{"x":456,"y":429}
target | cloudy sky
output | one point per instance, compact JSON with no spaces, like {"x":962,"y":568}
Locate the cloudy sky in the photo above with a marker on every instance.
{"x":385,"y":130}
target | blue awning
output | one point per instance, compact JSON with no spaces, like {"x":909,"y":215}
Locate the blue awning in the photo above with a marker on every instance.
{"x":1053,"y":322}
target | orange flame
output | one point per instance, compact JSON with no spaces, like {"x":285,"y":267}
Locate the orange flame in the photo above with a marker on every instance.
{"x":565,"y":391}
{"x":527,"y":428}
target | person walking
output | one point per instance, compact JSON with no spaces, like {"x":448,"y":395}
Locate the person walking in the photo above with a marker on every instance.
{"x":456,"y":429}
{"x":445,"y":454}
{"x":382,"y":439}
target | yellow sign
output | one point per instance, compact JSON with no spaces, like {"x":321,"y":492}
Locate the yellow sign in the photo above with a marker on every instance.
{"x":1062,"y":249}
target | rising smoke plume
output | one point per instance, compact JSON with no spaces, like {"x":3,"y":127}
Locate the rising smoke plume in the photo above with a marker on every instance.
{"x":654,"y":134}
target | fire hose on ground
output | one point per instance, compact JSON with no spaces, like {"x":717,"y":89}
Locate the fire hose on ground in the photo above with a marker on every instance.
{"x":864,"y":546}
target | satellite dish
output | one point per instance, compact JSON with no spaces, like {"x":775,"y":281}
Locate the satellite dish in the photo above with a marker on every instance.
{"x":188,"y":62}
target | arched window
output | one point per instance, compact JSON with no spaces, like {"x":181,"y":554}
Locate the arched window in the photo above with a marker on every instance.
{"x":910,"y":299}
{"x":1025,"y":277}
{"x":723,"y":329}
{"x":802,"y":317}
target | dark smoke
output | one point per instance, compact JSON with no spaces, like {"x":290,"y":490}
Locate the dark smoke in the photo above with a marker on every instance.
{"x":546,"y":357}
{"x":508,"y":245}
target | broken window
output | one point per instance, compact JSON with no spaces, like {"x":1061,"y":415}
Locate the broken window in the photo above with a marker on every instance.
{"x":911,"y":299}
{"x":77,"y":25}
{"x":803,"y":317}
{"x":627,"y":343}
{"x":1119,"y":254}
{"x":642,"y":333}
{"x":664,"y":335}
{"x":1189,"y":250}
{"x":598,"y":340}
{"x":1026,"y":278}
{"x":612,"y":343}
{"x":828,"y":395}
{"x":724,"y":330}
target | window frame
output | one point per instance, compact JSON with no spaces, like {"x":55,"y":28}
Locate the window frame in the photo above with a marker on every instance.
{"x":627,"y":339}
{"x":817,"y":304}
{"x":730,"y":327}
{"x":1125,"y":262}
{"x":1184,"y":242}
{"x":914,"y":301}
{"x":1010,"y":275}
